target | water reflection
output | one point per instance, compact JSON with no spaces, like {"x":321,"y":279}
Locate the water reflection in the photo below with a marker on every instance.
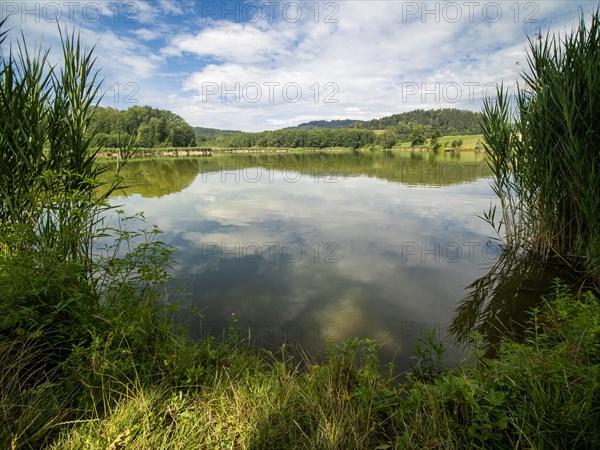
{"x":164,"y":176}
{"x":499,"y":302}
{"x":310,"y":248}
{"x":156,"y":177}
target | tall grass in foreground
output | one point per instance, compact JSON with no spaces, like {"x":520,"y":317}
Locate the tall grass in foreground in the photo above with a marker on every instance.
{"x":542,"y":393}
{"x":53,"y":297}
{"x":545,"y":151}
{"x":48,"y":174}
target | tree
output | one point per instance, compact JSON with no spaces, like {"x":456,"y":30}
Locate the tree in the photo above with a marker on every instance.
{"x":145,"y":137}
{"x":418,"y":136}
{"x":152,"y":127}
{"x":152,"y":134}
{"x":181,"y":135}
{"x":435,"y":136}
{"x":389,"y":138}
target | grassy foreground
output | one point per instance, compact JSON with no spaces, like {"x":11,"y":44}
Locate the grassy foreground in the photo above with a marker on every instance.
{"x":130,"y":380}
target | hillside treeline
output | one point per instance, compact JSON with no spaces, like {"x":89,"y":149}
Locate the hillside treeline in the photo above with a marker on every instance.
{"x":212,"y":136}
{"x":152,"y":127}
{"x":327,"y":124}
{"x":448,"y":121}
{"x":352,"y":138}
{"x":155,"y":128}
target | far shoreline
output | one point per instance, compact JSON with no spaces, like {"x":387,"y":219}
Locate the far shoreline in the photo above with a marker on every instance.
{"x":199,"y":151}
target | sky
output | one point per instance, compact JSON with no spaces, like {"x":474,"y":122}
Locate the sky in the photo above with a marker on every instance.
{"x":261,"y":65}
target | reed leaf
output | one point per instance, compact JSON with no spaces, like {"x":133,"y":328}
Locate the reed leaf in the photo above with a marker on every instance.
{"x":543,"y":149}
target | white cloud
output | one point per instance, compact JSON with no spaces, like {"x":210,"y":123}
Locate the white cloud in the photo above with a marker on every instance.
{"x":170,"y":7}
{"x":227,"y":41}
{"x":378,"y":57}
{"x":373,"y":55}
{"x":146,"y":34}
{"x":124,"y":58}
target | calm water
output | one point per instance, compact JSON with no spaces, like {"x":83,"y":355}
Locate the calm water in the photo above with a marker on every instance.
{"x":312,"y":248}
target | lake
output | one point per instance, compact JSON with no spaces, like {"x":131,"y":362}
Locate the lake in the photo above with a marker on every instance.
{"x":314,"y":248}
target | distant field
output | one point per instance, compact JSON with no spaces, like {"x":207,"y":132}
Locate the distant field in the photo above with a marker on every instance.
{"x":469,"y":141}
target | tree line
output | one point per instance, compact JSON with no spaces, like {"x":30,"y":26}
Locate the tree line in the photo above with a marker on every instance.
{"x":289,"y":138}
{"x":329,"y":124}
{"x":156,"y":128}
{"x":150,"y":126}
{"x":212,"y":136}
{"x":448,"y":121}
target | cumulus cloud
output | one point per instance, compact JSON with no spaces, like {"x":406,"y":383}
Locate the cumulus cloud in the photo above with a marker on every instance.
{"x":256,"y":66}
{"x":379,"y":58}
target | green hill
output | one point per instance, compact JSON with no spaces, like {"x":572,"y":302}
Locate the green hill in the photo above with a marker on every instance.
{"x":448,"y":121}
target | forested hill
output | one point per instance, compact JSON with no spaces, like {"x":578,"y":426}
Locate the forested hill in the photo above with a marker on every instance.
{"x":152,"y":127}
{"x":212,"y":132}
{"x":161,"y":128}
{"x":326,"y":124}
{"x":448,"y":121}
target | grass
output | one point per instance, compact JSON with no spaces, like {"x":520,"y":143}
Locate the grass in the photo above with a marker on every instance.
{"x":543,"y":149}
{"x":470,"y":141}
{"x":176,"y":394}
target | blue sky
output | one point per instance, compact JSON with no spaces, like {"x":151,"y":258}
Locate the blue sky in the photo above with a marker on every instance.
{"x":252,"y":65}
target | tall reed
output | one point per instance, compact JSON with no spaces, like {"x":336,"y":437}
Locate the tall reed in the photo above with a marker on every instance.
{"x":48,"y":174}
{"x":543,"y":147}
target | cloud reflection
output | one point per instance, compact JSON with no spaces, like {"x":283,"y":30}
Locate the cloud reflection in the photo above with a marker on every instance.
{"x":314,"y":262}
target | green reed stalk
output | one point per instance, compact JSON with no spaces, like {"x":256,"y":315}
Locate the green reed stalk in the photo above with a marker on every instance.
{"x":48,"y":174}
{"x":544,"y":152}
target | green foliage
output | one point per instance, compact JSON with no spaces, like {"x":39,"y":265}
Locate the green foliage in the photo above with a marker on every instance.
{"x":212,"y":136}
{"x":537,"y":393}
{"x":91,"y":330}
{"x":290,"y":138}
{"x":43,"y":295}
{"x":448,"y":121}
{"x":541,"y":392}
{"x":544,"y":151}
{"x":435,"y":137}
{"x":457,"y":143}
{"x":327,"y":124}
{"x":213,"y":132}
{"x":418,"y":137}
{"x":47,"y":164}
{"x":89,"y":357}
{"x":429,"y":355}
{"x":130,"y":263}
{"x":49,"y":211}
{"x":150,"y":126}
{"x":443,"y":121}
{"x":388,"y":139}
